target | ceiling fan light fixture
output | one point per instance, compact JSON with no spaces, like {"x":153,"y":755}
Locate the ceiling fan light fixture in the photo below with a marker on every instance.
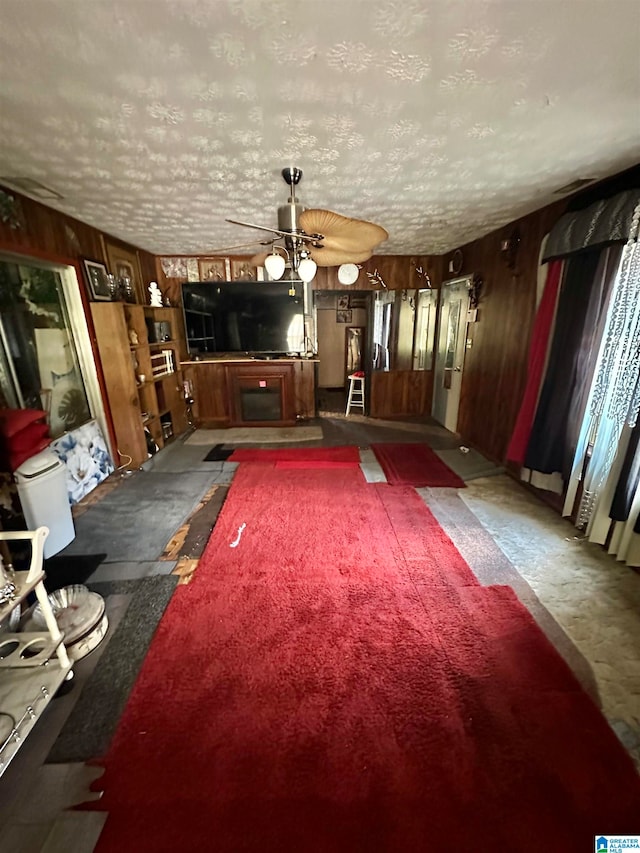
{"x":307,"y":269}
{"x":274,"y":265}
{"x":348,"y":273}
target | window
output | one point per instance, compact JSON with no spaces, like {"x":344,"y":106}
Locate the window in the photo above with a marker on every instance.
{"x":40,"y":366}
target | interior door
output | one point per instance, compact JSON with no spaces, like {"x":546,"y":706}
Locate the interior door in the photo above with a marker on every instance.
{"x":451,"y":350}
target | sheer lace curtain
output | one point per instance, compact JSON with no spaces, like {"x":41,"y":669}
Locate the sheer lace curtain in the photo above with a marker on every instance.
{"x":611,"y":413}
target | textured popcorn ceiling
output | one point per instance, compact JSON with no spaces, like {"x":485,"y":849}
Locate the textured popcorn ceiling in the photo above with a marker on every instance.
{"x":438,"y":120}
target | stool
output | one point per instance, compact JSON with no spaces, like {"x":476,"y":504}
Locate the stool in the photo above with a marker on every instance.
{"x":355,"y":399}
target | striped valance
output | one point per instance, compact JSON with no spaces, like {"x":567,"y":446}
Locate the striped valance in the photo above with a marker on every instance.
{"x":606,"y":221}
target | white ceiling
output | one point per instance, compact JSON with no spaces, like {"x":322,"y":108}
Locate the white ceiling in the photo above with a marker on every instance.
{"x":438,"y":120}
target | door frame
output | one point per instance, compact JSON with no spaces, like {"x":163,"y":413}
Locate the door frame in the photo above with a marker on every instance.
{"x":447,"y":381}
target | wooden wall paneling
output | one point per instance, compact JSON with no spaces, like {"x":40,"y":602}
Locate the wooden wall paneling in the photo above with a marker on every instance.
{"x":148,"y":273}
{"x":44,"y":230}
{"x":396,"y":393}
{"x":496,"y":364}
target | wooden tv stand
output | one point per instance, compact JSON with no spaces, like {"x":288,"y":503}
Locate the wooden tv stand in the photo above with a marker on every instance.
{"x":251,"y":391}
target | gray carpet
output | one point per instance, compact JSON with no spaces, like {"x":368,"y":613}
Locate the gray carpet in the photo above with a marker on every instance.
{"x":255,"y":435}
{"x":470,"y":465}
{"x":491,"y":566}
{"x":95,"y":716}
{"x":135,"y":521}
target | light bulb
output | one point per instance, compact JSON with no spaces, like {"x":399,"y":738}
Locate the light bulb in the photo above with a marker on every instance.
{"x":348,"y":273}
{"x":274,"y":265}
{"x":307,"y":269}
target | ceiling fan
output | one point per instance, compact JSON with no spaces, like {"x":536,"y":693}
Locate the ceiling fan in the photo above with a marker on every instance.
{"x":314,"y":238}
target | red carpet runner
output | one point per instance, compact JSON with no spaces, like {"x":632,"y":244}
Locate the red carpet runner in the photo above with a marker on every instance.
{"x":338,"y":681}
{"x":414,"y":465}
{"x":297,"y":454}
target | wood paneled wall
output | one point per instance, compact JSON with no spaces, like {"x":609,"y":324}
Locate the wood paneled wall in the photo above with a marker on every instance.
{"x":392,"y":394}
{"x":401,"y":392}
{"x":495,"y":368}
{"x":397,"y":271}
{"x":45,"y":232}
{"x":42,"y":232}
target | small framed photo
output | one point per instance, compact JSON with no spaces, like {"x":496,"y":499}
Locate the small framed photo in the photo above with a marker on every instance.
{"x":358,"y":300}
{"x":343,"y":316}
{"x":97,"y":282}
{"x":242,"y":270}
{"x":342,"y":301}
{"x":174,"y":267}
{"x":214,"y":269}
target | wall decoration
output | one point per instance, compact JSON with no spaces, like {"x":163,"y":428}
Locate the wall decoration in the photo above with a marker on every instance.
{"x":174,"y":267}
{"x":97,"y":281}
{"x":85,"y":455}
{"x":243,"y":270}
{"x":344,"y":316}
{"x":11,"y":211}
{"x":193,"y":273}
{"x":354,"y":346}
{"x":125,"y":263}
{"x":342,"y":301}
{"x":324,"y":298}
{"x":213,"y":269}
{"x":358,"y":300}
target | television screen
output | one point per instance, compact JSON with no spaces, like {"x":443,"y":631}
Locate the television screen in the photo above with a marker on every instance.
{"x":243,"y":316}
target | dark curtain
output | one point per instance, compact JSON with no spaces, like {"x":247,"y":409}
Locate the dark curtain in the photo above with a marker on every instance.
{"x":578,"y":304}
{"x":537,"y":354}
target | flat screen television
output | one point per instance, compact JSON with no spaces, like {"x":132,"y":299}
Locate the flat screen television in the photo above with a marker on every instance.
{"x":243,"y":317}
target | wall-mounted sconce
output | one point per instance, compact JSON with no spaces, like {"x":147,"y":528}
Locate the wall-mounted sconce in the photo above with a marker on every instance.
{"x":509,"y":249}
{"x":376,"y":279}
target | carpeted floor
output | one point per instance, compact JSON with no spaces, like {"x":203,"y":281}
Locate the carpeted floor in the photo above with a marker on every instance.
{"x":411,"y":464}
{"x":298,"y":454}
{"x":468,"y":463}
{"x":218,"y":453}
{"x":256,"y":435}
{"x":125,"y":523}
{"x":335,"y":678}
{"x":90,"y":727}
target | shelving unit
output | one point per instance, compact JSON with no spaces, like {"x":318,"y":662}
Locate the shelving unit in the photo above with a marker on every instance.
{"x":33,"y":665}
{"x":142,"y":374}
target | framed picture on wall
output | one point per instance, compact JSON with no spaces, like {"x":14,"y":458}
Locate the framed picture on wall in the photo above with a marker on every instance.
{"x":358,"y":300}
{"x":242,"y":270}
{"x":96,"y":276}
{"x":354,"y":346}
{"x":342,"y":302}
{"x":214,"y":269}
{"x":344,"y":316}
{"x":124,"y":262}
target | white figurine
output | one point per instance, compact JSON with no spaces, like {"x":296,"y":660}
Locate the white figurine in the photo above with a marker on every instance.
{"x":155,"y":294}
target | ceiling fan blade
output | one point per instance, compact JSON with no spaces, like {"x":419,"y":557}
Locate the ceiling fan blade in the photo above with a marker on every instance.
{"x":305,"y":237}
{"x":330,"y":257}
{"x":259,"y":227}
{"x":341,"y":232}
{"x":223,"y":249}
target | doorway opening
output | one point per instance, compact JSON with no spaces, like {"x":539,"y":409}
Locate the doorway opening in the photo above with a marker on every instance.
{"x":342,"y":324}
